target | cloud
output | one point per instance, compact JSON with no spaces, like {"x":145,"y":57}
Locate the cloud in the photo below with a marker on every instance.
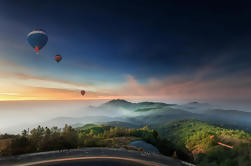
{"x":205,"y":84}
{"x":42,"y":93}
{"x":18,"y":80}
{"x":14,"y":71}
{"x":9,"y":94}
{"x":213,"y":81}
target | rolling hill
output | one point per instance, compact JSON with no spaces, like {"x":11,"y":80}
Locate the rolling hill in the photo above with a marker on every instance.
{"x":194,"y":137}
{"x":149,"y":113}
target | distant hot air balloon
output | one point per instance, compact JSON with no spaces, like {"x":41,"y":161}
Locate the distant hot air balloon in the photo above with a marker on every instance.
{"x":37,"y":39}
{"x":58,"y":58}
{"x":82,"y":92}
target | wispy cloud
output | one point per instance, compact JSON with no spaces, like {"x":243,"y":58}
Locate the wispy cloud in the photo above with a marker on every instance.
{"x":205,"y":84}
{"x":212,"y":82}
{"x":9,"y":94}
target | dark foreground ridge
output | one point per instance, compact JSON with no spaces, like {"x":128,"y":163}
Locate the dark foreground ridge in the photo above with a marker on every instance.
{"x":88,"y":155}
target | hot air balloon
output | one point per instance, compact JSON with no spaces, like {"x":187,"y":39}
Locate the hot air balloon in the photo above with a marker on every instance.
{"x":82,"y":92}
{"x":58,"y":58}
{"x":37,"y":39}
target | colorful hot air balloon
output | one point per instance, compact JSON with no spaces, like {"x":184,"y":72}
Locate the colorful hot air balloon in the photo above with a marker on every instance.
{"x":82,"y":92}
{"x":37,"y":39}
{"x":58,"y":58}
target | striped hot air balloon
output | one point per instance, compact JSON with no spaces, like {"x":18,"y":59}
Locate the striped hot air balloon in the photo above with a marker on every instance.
{"x":37,"y":39}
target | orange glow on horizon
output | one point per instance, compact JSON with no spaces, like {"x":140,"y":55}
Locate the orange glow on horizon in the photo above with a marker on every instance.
{"x":27,"y":98}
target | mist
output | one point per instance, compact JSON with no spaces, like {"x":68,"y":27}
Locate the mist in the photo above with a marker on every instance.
{"x":17,"y":115}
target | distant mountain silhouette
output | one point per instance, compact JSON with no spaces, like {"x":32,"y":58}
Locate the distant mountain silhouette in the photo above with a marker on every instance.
{"x":153,"y":113}
{"x":128,"y":114}
{"x":195,"y":107}
{"x":118,"y":103}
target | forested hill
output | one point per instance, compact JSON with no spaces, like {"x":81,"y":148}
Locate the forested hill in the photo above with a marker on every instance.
{"x":148,"y":113}
{"x":188,"y":140}
{"x":201,"y":140}
{"x":133,"y":106}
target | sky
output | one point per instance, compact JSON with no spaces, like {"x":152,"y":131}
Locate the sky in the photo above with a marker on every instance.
{"x":175,"y":51}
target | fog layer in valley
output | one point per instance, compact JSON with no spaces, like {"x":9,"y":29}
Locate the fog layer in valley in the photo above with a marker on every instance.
{"x":18,"y":115}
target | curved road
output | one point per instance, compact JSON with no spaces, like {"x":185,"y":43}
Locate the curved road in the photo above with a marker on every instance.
{"x":92,"y":156}
{"x":91,"y":161}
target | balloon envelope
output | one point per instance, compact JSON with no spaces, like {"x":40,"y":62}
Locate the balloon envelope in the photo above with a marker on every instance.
{"x":58,"y":58}
{"x":37,"y":39}
{"x":82,"y":92}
